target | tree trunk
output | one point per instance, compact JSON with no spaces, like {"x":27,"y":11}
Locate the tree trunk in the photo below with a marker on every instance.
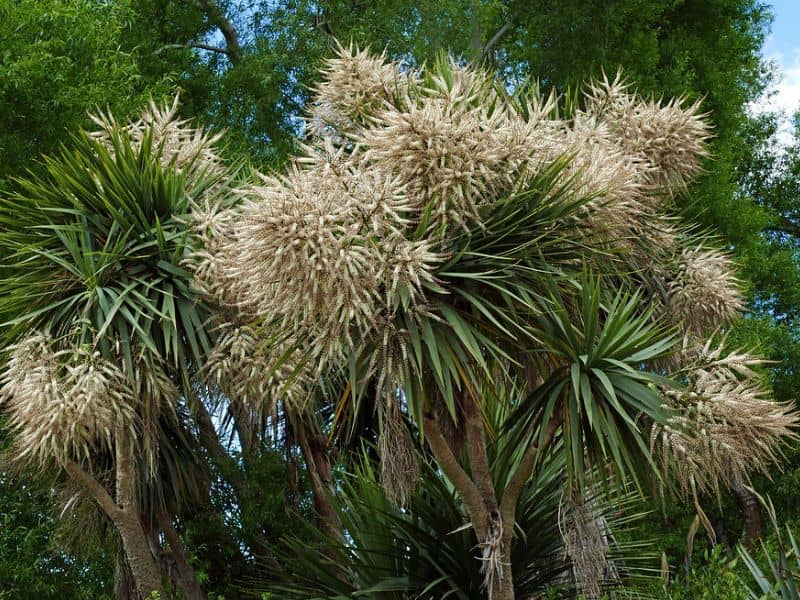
{"x":493,"y":521}
{"x":476,"y":32}
{"x":209,"y":438}
{"x":720,"y":531}
{"x":318,"y":465}
{"x":124,"y":585}
{"x":218,"y":18}
{"x":292,"y":490}
{"x":477,"y":491}
{"x":503,"y":588}
{"x":143,"y":564}
{"x":187,"y":579}
{"x":751,"y":514}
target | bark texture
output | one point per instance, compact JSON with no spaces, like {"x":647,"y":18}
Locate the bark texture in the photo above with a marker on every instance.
{"x":124,"y":585}
{"x":751,"y":514}
{"x":232,"y":46}
{"x":316,"y":456}
{"x":491,"y":511}
{"x":143,"y":564}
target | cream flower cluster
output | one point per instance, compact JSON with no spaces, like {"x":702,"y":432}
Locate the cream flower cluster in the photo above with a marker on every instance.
{"x":398,"y":160}
{"x":725,"y":426}
{"x":180,"y":144}
{"x":62,"y":404}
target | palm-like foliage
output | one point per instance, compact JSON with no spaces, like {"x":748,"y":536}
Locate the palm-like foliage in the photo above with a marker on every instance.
{"x":596,"y":381}
{"x":425,"y":551}
{"x":433,"y":240}
{"x":103,"y":325}
{"x":419,"y":552}
{"x":93,"y":250}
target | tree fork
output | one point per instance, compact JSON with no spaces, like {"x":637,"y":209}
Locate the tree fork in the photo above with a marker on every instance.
{"x":477,"y":492}
{"x":232,"y":46}
{"x":125,"y":516}
{"x":498,"y":528}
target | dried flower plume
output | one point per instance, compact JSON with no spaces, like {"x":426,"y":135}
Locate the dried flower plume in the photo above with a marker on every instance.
{"x":725,"y":424}
{"x":586,"y":543}
{"x":62,"y":404}
{"x":703,"y":291}
{"x":322,"y":251}
{"x":334,"y":251}
{"x":399,"y":467}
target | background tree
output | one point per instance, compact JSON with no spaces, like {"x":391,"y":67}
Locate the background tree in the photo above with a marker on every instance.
{"x":37,"y":558}
{"x":62,"y":60}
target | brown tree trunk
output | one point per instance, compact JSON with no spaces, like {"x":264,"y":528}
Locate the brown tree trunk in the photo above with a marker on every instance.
{"x":318,"y":465}
{"x":503,"y":588}
{"x":720,"y":531}
{"x":751,"y":514}
{"x":479,"y":496}
{"x":124,"y":585}
{"x":187,"y":579}
{"x":476,"y":32}
{"x":292,"y":490}
{"x":211,"y":442}
{"x":218,"y":18}
{"x":143,"y":564}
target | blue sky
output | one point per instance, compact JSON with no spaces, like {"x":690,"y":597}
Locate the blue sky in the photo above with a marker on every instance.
{"x":783,"y":48}
{"x":785,"y":37}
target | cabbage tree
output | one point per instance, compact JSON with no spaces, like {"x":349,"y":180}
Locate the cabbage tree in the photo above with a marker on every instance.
{"x":102,"y":324}
{"x":437,"y":235}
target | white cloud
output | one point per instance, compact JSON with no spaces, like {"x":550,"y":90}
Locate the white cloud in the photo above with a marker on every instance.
{"x":784,"y":96}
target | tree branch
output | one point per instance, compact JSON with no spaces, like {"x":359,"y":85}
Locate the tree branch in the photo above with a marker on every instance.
{"x":97,"y":491}
{"x":210,"y":440}
{"x":216,"y":16}
{"x":476,"y":449}
{"x":533,"y":378}
{"x":126,"y":471}
{"x":786,"y":226}
{"x":508,"y":505}
{"x":192,"y":47}
{"x":191,"y":587}
{"x":497,"y":37}
{"x":246,"y":429}
{"x":319,"y":474}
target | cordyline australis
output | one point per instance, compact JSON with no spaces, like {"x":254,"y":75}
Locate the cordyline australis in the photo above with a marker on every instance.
{"x":103,"y":329}
{"x":437,"y":234}
{"x":436,"y":237}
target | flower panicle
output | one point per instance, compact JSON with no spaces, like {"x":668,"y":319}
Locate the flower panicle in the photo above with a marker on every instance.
{"x":724,"y":426}
{"x":64,"y":405}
